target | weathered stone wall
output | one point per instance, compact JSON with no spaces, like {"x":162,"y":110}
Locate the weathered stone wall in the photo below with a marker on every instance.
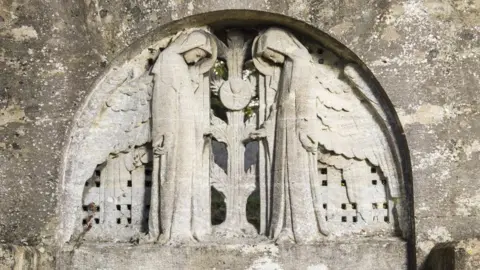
{"x":463,"y":255}
{"x":424,"y":53}
{"x":25,"y":257}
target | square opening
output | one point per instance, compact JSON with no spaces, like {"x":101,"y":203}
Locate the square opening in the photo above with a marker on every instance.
{"x":386,"y":219}
{"x":97,"y":221}
{"x":85,"y":207}
{"x":323,"y":171}
{"x":374,"y":182}
{"x":324,"y":206}
{"x":354,"y":219}
{"x":374,"y":205}
{"x":119,"y":220}
{"x":129,"y":220}
{"x":354,"y":206}
{"x":324,"y":183}
{"x":384,"y":182}
{"x":344,"y":219}
{"x":129,"y":206}
{"x":385,"y":205}
{"x":119,"y":207}
{"x":373,"y":170}
{"x":84,"y":222}
{"x":344,"y":206}
{"x":129,"y":183}
{"x":343,"y":183}
{"x":97,"y":184}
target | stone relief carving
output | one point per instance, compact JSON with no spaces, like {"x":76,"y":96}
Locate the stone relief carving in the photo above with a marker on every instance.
{"x":327,"y":163}
{"x":236,"y":184}
{"x":296,"y":214}
{"x":177,"y":209}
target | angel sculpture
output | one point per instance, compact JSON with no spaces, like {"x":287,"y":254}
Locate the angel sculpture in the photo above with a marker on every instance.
{"x":293,"y":218}
{"x":178,"y":74}
{"x":313,"y":119}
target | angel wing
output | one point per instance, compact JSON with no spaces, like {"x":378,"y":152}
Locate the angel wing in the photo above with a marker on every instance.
{"x":353,"y":127}
{"x":125,"y":118}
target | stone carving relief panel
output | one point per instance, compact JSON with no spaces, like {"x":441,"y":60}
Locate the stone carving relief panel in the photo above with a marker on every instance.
{"x":302,"y":131}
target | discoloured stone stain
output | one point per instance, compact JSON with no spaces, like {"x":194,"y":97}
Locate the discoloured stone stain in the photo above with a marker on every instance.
{"x":472,"y":151}
{"x":425,"y":114}
{"x":468,"y":205}
{"x":390,"y":34}
{"x":317,"y":267}
{"x":11,"y":114}
{"x":21,"y":33}
{"x":265,"y":263}
{"x":342,"y":28}
{"x":439,"y":234}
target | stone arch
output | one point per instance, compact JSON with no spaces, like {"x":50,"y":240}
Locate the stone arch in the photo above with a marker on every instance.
{"x":77,"y":168}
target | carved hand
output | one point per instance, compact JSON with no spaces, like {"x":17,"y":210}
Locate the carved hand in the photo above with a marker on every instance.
{"x":160,"y":147}
{"x":209,"y":132}
{"x":308,"y":143}
{"x":258,"y":134}
{"x":266,"y":127}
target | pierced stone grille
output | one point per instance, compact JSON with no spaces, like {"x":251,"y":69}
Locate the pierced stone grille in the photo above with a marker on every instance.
{"x":116,"y":201}
{"x":368,"y":213}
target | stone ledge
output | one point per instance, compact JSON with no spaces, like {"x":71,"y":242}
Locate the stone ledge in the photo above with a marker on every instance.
{"x":462,"y":255}
{"x":366,"y":254}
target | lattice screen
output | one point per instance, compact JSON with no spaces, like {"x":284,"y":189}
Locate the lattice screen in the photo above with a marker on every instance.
{"x":116,"y":201}
{"x":346,"y":216}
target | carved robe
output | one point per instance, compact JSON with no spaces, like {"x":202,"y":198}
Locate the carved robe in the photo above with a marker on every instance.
{"x":174,"y":126}
{"x":295,"y":214}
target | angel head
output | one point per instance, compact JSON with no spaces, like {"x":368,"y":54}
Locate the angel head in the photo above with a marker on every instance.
{"x":273,"y":56}
{"x":195,"y":47}
{"x":194,"y":55}
{"x":276,"y":46}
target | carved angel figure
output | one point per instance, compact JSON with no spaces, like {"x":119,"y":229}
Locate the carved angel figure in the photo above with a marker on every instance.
{"x":316,"y":117}
{"x":177,"y":73}
{"x":296,"y":214}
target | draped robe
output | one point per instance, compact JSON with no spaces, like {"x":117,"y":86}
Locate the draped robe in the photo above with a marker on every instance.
{"x":174,"y":109}
{"x":295,"y":210}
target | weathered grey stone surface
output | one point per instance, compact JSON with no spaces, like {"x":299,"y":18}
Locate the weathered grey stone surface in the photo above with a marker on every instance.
{"x":424,"y":53}
{"x":460,"y":255}
{"x":21,"y":257}
{"x":363,"y":255}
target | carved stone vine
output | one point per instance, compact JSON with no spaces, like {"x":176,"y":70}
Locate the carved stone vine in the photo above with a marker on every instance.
{"x":235,"y":94}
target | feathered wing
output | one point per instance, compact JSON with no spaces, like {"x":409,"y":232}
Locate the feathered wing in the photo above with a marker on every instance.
{"x":351,"y":128}
{"x":125,"y":118}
